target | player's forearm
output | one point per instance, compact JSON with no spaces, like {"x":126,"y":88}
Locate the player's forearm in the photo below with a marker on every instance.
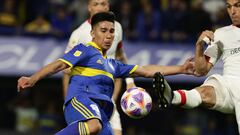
{"x":149,"y":70}
{"x":48,"y":70}
{"x":201,"y":64}
{"x":165,"y":70}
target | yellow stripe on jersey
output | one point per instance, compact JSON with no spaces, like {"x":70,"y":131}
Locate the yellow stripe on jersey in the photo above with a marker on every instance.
{"x":97,"y":47}
{"x":90,"y":72}
{"x":66,"y":62}
{"x":135,"y":67}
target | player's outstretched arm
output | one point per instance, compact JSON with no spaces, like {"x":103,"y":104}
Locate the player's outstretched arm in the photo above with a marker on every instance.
{"x":50,"y":69}
{"x":149,"y":70}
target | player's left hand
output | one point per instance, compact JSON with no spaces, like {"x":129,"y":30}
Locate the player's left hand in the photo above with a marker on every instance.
{"x":24,"y":83}
{"x":188,"y":66}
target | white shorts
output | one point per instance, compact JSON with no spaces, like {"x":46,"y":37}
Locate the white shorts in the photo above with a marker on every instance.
{"x":227,"y":93}
{"x":224,"y":99}
{"x":115,"y":120}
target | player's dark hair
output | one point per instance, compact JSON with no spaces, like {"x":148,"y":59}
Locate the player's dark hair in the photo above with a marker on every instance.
{"x":102,"y":16}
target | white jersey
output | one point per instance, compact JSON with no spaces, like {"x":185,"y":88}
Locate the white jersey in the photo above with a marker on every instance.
{"x":82,"y":35}
{"x":226,"y":45}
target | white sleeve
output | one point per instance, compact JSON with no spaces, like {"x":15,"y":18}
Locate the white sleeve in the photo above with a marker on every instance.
{"x":120,"y":32}
{"x":214,"y":50}
{"x":73,"y":41}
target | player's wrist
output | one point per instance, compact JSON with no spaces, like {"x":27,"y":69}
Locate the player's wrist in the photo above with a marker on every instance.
{"x":129,"y":80}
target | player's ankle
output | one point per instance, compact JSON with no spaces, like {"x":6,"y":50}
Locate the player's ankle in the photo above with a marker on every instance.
{"x":187,"y":99}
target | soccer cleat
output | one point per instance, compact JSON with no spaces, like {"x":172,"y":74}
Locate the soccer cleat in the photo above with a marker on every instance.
{"x":162,"y":91}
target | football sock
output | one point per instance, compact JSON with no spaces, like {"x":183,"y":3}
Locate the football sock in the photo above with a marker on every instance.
{"x":77,"y":128}
{"x":187,"y":99}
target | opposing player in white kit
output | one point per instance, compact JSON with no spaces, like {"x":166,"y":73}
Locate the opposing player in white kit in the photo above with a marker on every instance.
{"x":82,"y":35}
{"x":218,"y":92}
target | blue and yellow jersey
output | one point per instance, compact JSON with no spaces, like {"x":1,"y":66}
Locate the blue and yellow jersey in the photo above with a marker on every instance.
{"x":92,"y":73}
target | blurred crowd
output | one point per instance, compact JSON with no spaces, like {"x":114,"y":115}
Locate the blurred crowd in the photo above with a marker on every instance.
{"x":142,"y":20}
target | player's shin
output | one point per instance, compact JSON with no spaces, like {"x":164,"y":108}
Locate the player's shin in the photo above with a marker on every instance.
{"x":187,"y":99}
{"x":77,"y":128}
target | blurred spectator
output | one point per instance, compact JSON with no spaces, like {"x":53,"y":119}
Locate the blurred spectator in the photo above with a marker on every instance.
{"x":127,"y":19}
{"x":49,"y":120}
{"x":26,"y":115}
{"x":8,"y":18}
{"x":35,"y":7}
{"x":78,"y":8}
{"x":212,"y":128}
{"x":39,"y":26}
{"x":212,"y":7}
{"x":175,"y":22}
{"x":201,"y":18}
{"x":61,"y":23}
{"x":148,"y":23}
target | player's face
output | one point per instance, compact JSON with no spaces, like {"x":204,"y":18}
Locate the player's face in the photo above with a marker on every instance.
{"x":96,"y":6}
{"x":233,"y":8}
{"x":103,"y":34}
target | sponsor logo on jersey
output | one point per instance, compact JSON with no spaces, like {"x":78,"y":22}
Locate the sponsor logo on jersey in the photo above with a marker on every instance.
{"x":235,"y":50}
{"x":99,"y":61}
{"x":77,"y":53}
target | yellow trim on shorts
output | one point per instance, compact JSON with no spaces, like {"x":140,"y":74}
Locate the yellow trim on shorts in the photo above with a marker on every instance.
{"x":134,"y":69}
{"x":85,"y":112}
{"x":66,"y":62}
{"x":85,"y":71}
{"x":82,"y":109}
{"x":74,"y":106}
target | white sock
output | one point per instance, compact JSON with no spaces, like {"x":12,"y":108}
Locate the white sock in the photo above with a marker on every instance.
{"x":187,"y":99}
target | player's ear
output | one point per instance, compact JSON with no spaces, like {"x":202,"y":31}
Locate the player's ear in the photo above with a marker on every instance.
{"x":92,"y":33}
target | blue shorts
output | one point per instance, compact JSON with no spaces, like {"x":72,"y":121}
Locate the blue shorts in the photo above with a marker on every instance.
{"x":82,"y":108}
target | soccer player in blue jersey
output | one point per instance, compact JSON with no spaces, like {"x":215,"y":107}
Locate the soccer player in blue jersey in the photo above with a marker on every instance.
{"x":88,"y":105}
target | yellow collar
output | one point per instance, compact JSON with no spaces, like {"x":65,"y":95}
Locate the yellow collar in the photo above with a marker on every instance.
{"x":97,"y":47}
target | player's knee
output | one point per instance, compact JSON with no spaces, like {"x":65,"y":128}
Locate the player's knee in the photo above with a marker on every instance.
{"x":94,"y":126}
{"x":208,"y":96}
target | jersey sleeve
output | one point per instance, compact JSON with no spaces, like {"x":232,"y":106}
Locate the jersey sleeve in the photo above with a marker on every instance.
{"x":75,"y":55}
{"x":123,"y":70}
{"x":120,"y":33}
{"x":214,"y":50}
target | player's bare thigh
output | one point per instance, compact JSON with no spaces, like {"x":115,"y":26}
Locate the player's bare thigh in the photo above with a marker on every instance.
{"x":208,"y":96}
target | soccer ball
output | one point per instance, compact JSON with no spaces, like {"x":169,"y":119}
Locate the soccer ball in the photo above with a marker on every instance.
{"x":136,"y":102}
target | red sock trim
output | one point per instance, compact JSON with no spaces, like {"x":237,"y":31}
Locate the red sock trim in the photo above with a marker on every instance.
{"x":183,"y":97}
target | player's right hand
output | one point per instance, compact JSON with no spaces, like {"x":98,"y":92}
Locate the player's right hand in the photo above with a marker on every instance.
{"x":205,"y":35}
{"x":24,"y":83}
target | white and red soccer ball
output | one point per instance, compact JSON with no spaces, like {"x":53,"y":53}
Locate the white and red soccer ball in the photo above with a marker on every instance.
{"x":136,"y":102}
